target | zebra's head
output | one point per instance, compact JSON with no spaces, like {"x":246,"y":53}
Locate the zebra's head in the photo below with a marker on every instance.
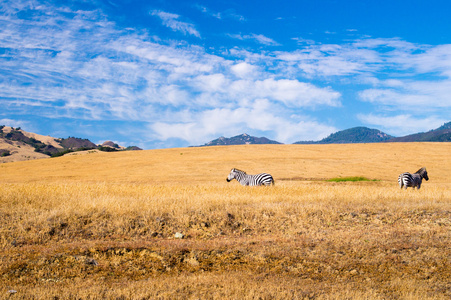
{"x":423,"y":173}
{"x":233,"y":174}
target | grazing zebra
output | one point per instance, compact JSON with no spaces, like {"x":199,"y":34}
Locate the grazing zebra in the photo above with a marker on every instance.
{"x":244,"y":179}
{"x":413,"y":180}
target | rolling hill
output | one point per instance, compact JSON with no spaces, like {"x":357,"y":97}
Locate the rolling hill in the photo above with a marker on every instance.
{"x":17,"y":145}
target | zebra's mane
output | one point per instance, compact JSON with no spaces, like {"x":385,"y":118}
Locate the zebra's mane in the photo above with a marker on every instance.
{"x":421,"y":171}
{"x":240,"y":171}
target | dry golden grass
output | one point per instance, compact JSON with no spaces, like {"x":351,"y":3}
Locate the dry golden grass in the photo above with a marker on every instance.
{"x":102,"y":225}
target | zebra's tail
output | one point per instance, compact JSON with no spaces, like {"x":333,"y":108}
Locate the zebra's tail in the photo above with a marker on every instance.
{"x":273,"y":182}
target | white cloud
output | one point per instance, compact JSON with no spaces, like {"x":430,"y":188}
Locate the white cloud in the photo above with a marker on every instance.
{"x":435,"y":59}
{"x":15,"y":123}
{"x":408,"y":95}
{"x":296,"y":93}
{"x":77,"y":64}
{"x":244,"y":70}
{"x":171,"y":20}
{"x":403,"y":124}
{"x":330,"y":60}
{"x":260,"y":116}
{"x":209,"y":12}
{"x":230,"y":14}
{"x":292,"y":93}
{"x":211,"y":83}
{"x":259,"y":38}
{"x":302,"y":41}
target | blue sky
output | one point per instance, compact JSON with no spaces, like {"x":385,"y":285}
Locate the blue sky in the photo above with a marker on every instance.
{"x":159,"y":74}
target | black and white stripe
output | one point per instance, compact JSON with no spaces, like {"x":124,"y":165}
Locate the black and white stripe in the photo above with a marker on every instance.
{"x":252,"y":180}
{"x":413,"y":180}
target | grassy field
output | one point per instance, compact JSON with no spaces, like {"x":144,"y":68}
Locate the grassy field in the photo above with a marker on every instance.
{"x":109,"y":225}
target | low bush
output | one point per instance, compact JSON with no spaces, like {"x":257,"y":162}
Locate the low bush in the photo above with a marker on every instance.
{"x":352,"y":179}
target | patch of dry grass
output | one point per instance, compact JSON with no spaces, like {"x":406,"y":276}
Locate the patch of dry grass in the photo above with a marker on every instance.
{"x":102,"y":225}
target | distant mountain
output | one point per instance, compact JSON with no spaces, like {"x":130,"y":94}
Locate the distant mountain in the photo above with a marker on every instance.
{"x":76,"y":143}
{"x":115,"y":147}
{"x":243,"y":139}
{"x":441,"y":134}
{"x":17,"y":144}
{"x":353,"y":135}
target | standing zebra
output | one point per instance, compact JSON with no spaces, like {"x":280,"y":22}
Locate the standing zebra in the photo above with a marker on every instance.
{"x":413,"y":180}
{"x":252,"y":180}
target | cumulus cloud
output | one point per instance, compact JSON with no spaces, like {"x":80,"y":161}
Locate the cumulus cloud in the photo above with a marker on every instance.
{"x":243,"y":69}
{"x":258,"y":117}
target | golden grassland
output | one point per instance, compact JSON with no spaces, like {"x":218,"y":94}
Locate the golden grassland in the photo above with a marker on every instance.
{"x":103,"y":225}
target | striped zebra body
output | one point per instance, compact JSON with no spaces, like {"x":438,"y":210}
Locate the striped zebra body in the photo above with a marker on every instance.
{"x":251,"y":180}
{"x":412,"y":180}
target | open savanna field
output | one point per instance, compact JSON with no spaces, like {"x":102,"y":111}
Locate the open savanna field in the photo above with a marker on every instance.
{"x":109,"y":225}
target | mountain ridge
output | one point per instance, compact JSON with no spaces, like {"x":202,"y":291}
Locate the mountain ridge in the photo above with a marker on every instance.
{"x":359,"y":134}
{"x":441,"y":134}
{"x":242,"y":139}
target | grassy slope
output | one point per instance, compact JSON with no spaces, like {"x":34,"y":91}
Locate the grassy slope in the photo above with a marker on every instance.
{"x":212,"y":164}
{"x":103,"y":224}
{"x":22,"y":153}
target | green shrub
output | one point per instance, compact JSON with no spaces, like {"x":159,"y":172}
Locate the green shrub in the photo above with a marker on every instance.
{"x":4,"y":153}
{"x":352,"y":179}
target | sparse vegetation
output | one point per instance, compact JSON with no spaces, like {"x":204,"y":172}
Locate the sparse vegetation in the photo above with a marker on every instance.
{"x":16,"y":138}
{"x":107,"y":149}
{"x":66,"y":151}
{"x":352,"y":179}
{"x":104,"y":225}
{"x":39,"y":147}
{"x":4,"y":153}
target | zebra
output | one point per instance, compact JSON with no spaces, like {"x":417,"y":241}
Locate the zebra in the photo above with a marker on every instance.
{"x":413,"y":180}
{"x":251,"y":180}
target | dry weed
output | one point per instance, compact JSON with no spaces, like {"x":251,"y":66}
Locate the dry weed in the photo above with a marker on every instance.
{"x":111,"y":233}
